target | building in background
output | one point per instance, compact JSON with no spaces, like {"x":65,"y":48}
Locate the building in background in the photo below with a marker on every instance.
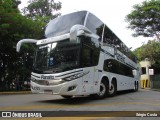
{"x":145,"y":79}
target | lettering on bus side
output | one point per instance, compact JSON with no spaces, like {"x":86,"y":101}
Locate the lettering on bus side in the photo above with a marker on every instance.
{"x":47,"y":77}
{"x":119,"y":56}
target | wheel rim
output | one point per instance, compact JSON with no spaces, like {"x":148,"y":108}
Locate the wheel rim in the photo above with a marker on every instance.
{"x":112,"y":89}
{"x":102,"y":89}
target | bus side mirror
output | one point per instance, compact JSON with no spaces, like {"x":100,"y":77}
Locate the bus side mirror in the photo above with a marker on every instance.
{"x":75,"y":31}
{"x":24,"y":41}
{"x":78,"y":30}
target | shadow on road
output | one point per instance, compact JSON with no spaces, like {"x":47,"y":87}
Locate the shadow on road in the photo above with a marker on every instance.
{"x":72,"y":101}
{"x":81,"y":99}
{"x":125,"y":92}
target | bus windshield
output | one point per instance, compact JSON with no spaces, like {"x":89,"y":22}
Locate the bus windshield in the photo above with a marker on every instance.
{"x":65,"y":55}
{"x":57,"y":57}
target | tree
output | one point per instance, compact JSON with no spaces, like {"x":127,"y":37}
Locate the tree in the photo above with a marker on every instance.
{"x":13,"y":27}
{"x":145,"y":19}
{"x":42,"y":10}
{"x":151,"y":50}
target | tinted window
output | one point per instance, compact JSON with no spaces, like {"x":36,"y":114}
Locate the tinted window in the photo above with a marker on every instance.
{"x":110,"y":38}
{"x":90,"y":53}
{"x":57,"y":57}
{"x":95,"y":25}
{"x":63,"y":24}
{"x":113,"y":66}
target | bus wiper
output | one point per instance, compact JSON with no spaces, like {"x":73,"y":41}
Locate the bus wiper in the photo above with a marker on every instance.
{"x":56,"y":70}
{"x":37,"y":70}
{"x":70,"y":68}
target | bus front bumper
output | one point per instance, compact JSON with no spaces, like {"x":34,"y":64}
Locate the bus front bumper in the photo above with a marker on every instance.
{"x":67,"y":88}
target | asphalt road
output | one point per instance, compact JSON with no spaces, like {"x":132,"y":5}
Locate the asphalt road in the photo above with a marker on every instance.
{"x":122,"y":104}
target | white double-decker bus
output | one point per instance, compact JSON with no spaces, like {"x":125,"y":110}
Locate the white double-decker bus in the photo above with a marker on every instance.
{"x":80,"y":55}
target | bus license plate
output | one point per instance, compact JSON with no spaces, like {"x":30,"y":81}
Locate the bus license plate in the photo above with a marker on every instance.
{"x":48,"y":91}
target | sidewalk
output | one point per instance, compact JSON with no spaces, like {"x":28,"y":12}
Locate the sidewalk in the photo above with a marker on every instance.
{"x":15,"y":92}
{"x":156,"y":90}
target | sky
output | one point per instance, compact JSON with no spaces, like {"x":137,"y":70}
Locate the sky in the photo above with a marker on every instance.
{"x":111,"y":12}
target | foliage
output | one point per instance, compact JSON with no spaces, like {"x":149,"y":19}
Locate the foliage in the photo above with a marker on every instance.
{"x":13,"y":27}
{"x":151,"y":50}
{"x":42,"y":10}
{"x":145,"y":19}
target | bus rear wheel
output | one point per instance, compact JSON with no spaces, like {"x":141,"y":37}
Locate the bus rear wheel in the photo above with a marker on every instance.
{"x":112,"y":89}
{"x":136,"y":86}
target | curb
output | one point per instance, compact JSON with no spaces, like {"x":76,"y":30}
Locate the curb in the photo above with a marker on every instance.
{"x":156,"y":90}
{"x":15,"y":93}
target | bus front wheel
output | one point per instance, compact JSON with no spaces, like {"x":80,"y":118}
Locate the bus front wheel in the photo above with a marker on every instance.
{"x":103,"y":90}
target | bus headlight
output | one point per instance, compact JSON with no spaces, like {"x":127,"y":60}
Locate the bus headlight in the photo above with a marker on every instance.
{"x":56,"y":82}
{"x":75,"y":76}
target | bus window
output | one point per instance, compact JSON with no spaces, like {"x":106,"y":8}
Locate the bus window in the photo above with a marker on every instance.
{"x":90,"y":53}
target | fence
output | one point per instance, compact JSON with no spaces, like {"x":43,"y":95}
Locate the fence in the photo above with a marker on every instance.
{"x":155,"y":81}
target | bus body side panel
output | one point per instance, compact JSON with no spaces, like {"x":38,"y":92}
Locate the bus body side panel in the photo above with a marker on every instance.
{"x":123,"y":82}
{"x":89,"y":80}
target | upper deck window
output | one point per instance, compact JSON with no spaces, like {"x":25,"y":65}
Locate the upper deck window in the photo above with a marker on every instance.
{"x":63,"y":24}
{"x":95,"y":25}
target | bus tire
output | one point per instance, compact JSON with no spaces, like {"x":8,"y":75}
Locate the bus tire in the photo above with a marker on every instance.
{"x":67,"y":96}
{"x":103,"y":90}
{"x":113,"y":89}
{"x":137,"y":86}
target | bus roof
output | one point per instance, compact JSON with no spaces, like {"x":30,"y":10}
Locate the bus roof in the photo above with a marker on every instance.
{"x":62,"y":25}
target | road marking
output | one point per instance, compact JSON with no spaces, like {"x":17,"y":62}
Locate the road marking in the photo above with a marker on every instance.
{"x":60,"y":118}
{"x":73,"y":118}
{"x":150,"y":99}
{"x":40,"y":107}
